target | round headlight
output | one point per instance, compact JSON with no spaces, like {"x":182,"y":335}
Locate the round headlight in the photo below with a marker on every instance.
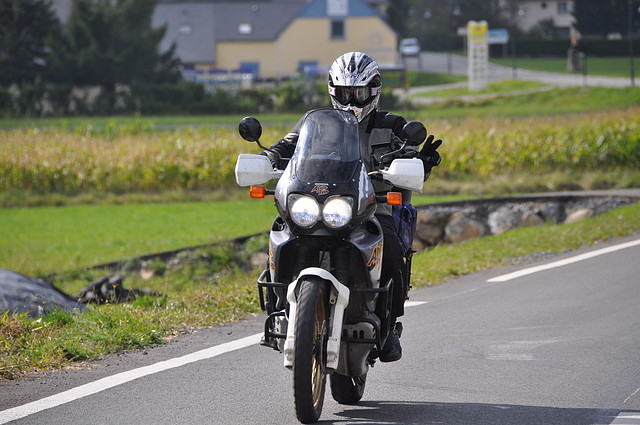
{"x":304,"y":211}
{"x":337,"y":212}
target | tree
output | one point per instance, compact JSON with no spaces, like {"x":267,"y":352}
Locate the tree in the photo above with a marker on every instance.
{"x":602,"y":17}
{"x":434,"y":22}
{"x":108,"y":43}
{"x":28,"y":30}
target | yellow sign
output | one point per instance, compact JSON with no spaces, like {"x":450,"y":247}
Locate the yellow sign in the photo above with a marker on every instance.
{"x":478,"y":31}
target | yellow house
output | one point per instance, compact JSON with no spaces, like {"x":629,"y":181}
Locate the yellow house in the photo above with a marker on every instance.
{"x":274,"y":38}
{"x":315,"y":37}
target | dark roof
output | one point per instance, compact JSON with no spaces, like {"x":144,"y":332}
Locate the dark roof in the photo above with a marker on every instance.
{"x":210,"y":21}
{"x":320,"y":9}
{"x":195,"y":45}
{"x":267,"y":19}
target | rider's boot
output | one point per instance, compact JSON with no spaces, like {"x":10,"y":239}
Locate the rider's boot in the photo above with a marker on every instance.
{"x":392,"y":351}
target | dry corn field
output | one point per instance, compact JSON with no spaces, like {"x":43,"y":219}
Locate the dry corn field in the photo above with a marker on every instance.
{"x":67,"y":161}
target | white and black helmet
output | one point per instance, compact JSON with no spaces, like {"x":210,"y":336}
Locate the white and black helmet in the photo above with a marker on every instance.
{"x":354,"y":84}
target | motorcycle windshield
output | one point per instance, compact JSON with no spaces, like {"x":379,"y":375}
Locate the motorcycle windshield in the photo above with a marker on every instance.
{"x":328,"y":149}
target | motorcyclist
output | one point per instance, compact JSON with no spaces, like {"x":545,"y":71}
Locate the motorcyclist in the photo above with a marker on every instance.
{"x":355,"y":85}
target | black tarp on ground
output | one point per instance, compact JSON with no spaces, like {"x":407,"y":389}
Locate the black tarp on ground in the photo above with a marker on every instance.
{"x":21,"y":294}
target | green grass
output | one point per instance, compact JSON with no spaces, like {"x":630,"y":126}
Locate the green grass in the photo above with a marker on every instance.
{"x":140,"y":123}
{"x":420,"y":79}
{"x":47,"y":240}
{"x":54,"y":239}
{"x":492,"y":88}
{"x":560,"y":101}
{"x":59,"y":339}
{"x":610,"y":67}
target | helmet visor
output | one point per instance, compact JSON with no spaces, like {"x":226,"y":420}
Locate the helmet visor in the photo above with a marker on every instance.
{"x":360,"y":95}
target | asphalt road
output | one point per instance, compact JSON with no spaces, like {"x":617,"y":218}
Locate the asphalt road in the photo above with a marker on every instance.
{"x":554,"y":346}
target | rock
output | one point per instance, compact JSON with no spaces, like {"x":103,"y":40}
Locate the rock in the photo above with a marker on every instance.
{"x":531,"y":218}
{"x":504,"y":218}
{"x":463,"y":227}
{"x":430,"y":228}
{"x":21,"y":294}
{"x":429,"y":234}
{"x":259,"y":259}
{"x":109,"y":289}
{"x":549,"y":211}
{"x":578,"y":215}
{"x":418,"y":245}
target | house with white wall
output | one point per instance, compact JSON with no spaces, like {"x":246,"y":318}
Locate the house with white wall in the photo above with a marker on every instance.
{"x":528,"y":13}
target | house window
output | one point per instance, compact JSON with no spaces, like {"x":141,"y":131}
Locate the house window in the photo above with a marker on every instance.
{"x":244,"y":29}
{"x":250,"y":68}
{"x":307,"y":67}
{"x":337,"y":29}
{"x":185,"y":29}
{"x":562,"y":8}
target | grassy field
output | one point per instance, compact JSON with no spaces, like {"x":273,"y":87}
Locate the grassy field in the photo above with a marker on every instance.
{"x":610,"y":67}
{"x":47,"y":240}
{"x":566,"y":101}
{"x":492,"y":88}
{"x":136,"y":123}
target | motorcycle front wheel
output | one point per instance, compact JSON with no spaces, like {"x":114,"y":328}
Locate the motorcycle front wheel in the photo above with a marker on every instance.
{"x":309,"y":363}
{"x":347,"y":390}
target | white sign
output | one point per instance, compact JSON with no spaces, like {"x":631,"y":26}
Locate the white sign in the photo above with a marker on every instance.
{"x":478,"y":54}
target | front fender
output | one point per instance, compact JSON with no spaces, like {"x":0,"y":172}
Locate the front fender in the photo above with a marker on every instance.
{"x":339,"y":300}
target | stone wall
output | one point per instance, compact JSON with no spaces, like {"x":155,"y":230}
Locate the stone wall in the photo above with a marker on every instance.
{"x":454,"y":222}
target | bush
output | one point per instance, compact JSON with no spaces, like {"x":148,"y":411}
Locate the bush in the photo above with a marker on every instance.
{"x":166,"y":99}
{"x":301,"y":95}
{"x":29,"y":101}
{"x":59,"y":97}
{"x":6,"y":102}
{"x":558,"y":48}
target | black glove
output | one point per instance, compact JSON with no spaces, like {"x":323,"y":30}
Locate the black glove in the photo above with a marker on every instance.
{"x":274,"y":158}
{"x":429,"y":156}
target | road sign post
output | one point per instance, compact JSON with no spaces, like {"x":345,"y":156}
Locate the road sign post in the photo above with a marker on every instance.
{"x":478,"y":55}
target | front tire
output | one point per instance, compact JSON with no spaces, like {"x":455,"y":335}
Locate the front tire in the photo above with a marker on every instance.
{"x":347,"y":390}
{"x":309,"y":363}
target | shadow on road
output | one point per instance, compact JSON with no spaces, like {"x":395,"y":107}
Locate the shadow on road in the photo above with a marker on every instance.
{"x":384,"y":412}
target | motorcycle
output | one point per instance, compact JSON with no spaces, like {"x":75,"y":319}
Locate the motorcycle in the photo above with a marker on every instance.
{"x":327,"y":308}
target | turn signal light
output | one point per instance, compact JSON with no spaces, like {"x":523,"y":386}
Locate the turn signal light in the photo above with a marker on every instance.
{"x":257,"y":191}
{"x":394,"y":198}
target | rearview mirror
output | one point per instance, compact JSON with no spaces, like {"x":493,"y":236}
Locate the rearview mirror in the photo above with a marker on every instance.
{"x":250,"y":129}
{"x":414,"y":133}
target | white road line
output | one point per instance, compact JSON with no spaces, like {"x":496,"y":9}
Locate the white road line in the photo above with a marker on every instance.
{"x":122,"y":378}
{"x":94,"y":387}
{"x":634,"y":393}
{"x":627,"y":418}
{"x":566,"y":261}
